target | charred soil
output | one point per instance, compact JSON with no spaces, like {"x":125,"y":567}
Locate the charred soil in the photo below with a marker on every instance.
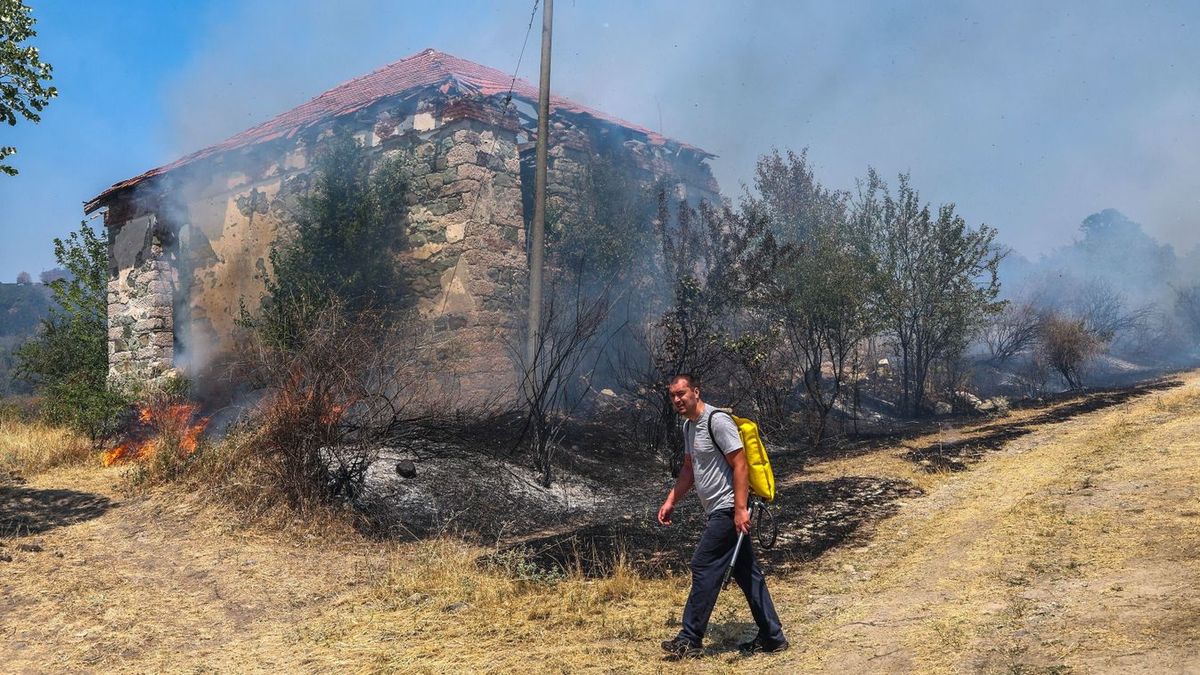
{"x":1054,"y":539}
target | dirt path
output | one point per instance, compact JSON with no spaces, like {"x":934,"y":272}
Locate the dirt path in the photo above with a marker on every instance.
{"x":133,"y":584}
{"x":1073,"y":546}
{"x":1076,"y":548}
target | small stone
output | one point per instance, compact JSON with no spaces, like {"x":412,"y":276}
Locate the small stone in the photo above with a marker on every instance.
{"x":30,"y":548}
{"x":406,"y":468}
{"x":455,"y":608}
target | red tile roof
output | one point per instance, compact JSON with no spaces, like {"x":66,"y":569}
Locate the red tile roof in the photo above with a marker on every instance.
{"x":424,"y":69}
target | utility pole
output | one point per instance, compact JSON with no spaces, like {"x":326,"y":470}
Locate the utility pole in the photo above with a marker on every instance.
{"x":538,"y":233}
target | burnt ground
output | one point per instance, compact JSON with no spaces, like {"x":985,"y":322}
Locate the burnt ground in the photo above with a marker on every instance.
{"x":812,"y":514}
{"x":1071,"y":549}
{"x":811,"y":518}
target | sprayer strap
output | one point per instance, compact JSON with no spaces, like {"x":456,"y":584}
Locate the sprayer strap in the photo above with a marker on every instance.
{"x":711,"y":435}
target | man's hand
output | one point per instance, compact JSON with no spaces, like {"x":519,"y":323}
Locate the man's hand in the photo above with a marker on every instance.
{"x":664,"y":512}
{"x":683,"y":483}
{"x":741,"y":520}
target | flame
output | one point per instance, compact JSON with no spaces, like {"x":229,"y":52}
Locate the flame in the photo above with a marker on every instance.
{"x":156,"y":427}
{"x":125,"y":451}
{"x":334,"y":415}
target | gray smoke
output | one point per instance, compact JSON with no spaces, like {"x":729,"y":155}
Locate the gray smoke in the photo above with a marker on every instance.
{"x":1028,"y":117}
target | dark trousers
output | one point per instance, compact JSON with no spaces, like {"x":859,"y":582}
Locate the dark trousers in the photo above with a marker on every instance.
{"x":712,"y":556}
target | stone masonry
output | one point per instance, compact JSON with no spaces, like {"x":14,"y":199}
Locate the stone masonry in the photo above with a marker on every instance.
{"x":140,"y":306}
{"x":190,"y":242}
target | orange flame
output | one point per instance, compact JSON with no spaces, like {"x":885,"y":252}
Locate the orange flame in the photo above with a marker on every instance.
{"x":155,"y":424}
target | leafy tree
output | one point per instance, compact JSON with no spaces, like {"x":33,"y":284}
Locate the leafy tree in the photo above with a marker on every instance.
{"x":346,"y":232}
{"x":603,"y":235}
{"x":821,"y":298}
{"x":936,"y":279}
{"x":23,"y":75}
{"x":68,"y":360}
{"x":23,"y":279}
{"x":716,"y":262}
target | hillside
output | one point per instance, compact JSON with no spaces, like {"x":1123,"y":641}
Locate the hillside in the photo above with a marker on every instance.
{"x":22,"y":307}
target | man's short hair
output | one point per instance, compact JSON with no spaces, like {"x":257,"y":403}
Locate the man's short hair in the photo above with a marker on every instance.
{"x":692,"y":381}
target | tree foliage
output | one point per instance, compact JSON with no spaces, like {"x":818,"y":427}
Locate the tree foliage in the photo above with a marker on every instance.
{"x":936,"y":279}
{"x":342,"y":244}
{"x":821,"y":298}
{"x":23,"y":75}
{"x":67,"y":360}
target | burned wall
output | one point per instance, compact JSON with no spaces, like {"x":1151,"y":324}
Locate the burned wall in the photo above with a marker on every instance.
{"x":141,"y":290}
{"x":176,"y":301}
{"x":465,"y":261}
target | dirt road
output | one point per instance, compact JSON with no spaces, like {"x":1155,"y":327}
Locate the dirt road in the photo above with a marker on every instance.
{"x":1075,"y":548}
{"x":1072,"y":548}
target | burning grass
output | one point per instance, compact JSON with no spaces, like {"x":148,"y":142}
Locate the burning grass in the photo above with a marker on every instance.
{"x":167,"y":432}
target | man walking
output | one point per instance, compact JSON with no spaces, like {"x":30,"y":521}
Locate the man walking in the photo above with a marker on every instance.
{"x":721,"y":476}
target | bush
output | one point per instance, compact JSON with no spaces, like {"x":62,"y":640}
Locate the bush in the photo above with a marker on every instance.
{"x":331,"y":401}
{"x":345,"y":234}
{"x":67,"y":361}
{"x":1066,"y":345}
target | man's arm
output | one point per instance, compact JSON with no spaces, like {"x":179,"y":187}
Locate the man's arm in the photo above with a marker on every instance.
{"x":683,"y":483}
{"x":741,"y":489}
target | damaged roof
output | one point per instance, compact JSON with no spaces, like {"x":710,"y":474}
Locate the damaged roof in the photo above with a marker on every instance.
{"x":429,"y":68}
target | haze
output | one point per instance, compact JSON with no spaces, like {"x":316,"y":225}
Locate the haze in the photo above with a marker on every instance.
{"x":1029,"y":117}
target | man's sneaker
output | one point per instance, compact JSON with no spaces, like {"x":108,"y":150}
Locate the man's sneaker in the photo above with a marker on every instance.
{"x":680,"y":648}
{"x":765,"y":646}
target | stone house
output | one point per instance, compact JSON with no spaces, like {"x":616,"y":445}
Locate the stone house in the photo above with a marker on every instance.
{"x":188,"y":241}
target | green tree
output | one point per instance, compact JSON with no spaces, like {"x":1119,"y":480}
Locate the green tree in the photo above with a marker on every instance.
{"x":821,"y":298}
{"x":936,"y":279}
{"x":67,"y":361}
{"x":23,"y":75}
{"x":345,"y":235}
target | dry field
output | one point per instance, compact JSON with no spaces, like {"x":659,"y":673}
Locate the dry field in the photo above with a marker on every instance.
{"x":1071,"y":545}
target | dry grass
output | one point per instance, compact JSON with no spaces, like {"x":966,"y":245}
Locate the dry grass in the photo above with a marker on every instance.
{"x":438,"y":610}
{"x":1010,"y":567}
{"x":33,"y":447}
{"x":1073,"y":548}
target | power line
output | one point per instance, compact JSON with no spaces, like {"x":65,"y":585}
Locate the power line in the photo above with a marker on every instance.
{"x":513,"y":84}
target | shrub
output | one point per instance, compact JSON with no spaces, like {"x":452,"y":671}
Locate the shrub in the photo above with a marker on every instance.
{"x":67,"y":360}
{"x":1066,"y":345}
{"x":345,"y":232}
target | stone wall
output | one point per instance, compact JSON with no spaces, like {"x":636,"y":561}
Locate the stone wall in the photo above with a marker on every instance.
{"x":141,"y":293}
{"x":206,"y":234}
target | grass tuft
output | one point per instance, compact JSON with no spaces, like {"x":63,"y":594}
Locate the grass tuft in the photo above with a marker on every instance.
{"x":30,"y":448}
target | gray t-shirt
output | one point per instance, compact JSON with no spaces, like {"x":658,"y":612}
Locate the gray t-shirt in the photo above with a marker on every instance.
{"x":714,"y":476}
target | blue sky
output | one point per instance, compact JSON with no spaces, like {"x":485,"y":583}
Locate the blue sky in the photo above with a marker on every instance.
{"x":1029,"y":116}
